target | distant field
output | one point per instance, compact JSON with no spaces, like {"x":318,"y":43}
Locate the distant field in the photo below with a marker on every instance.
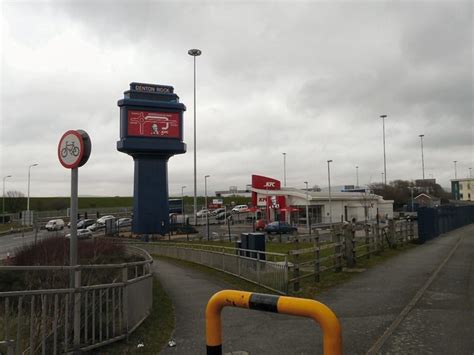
{"x":61,"y":203}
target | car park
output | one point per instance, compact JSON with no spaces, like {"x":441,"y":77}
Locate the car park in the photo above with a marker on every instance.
{"x":240,"y":209}
{"x":280,"y":228}
{"x":54,"y":225}
{"x":81,"y":234}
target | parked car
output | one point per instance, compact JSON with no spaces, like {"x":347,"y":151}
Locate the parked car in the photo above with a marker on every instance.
{"x":217,"y":211}
{"x":222,"y":215}
{"x":54,"y":225}
{"x":102,"y":219}
{"x":84,"y":223}
{"x":81,"y":234}
{"x":124,"y":222}
{"x":96,"y":226}
{"x":280,"y":227}
{"x":203,"y":213}
{"x":240,"y":209}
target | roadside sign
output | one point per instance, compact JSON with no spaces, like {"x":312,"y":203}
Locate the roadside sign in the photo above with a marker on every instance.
{"x":74,"y":149}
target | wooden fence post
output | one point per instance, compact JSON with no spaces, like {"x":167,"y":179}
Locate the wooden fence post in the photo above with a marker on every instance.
{"x":349,"y":245}
{"x":317,"y":266}
{"x":338,"y":251}
{"x":296,"y":267}
{"x":392,"y":233}
{"x":296,"y":272}
{"x":367,"y":240}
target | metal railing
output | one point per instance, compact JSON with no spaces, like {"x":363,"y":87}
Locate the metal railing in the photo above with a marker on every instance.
{"x":269,"y":270}
{"x":61,"y":320}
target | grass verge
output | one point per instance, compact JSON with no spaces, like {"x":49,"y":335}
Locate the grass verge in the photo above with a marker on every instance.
{"x":154,"y":332}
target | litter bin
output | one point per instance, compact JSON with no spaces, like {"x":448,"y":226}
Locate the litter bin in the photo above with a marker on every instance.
{"x":256,"y":241}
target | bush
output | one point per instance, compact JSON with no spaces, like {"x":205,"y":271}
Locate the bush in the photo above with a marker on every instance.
{"x":55,"y":251}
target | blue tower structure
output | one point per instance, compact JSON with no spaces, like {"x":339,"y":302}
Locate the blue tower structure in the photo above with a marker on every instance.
{"x":151,"y":131}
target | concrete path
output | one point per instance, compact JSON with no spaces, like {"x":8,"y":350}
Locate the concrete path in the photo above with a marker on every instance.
{"x":419,"y":302}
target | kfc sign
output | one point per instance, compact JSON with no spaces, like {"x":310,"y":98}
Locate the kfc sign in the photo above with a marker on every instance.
{"x":265,"y":183}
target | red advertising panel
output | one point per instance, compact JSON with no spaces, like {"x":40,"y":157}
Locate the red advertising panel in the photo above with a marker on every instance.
{"x":265,"y":183}
{"x":153,"y":124}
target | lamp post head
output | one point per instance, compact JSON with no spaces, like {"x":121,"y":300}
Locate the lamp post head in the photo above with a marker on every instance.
{"x":383,"y":116}
{"x":194,"y":52}
{"x":421,"y":135}
{"x":329,"y":161}
{"x":6,"y":177}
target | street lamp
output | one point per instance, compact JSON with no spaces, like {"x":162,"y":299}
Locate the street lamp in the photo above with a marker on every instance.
{"x":207,"y":214}
{"x":357,"y":176}
{"x":205,"y":188}
{"x":28,"y":199}
{"x":422,"y":156}
{"x":411,"y":189}
{"x":455,"y":169}
{"x":3,"y":199}
{"x":470,"y":172}
{"x":284,"y":169}
{"x":307,"y":209}
{"x":383,"y":117}
{"x":195,"y":53}
{"x":329,"y":184}
{"x":182,"y":203}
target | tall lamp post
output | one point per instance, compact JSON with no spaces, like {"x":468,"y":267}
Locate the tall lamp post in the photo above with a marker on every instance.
{"x":383,"y":117}
{"x":357,"y":176}
{"x":195,"y":53}
{"x":284,"y":169}
{"x":455,"y":169}
{"x":3,"y":199}
{"x":307,"y":209}
{"x":329,"y":185}
{"x":411,"y":190}
{"x":422,"y":156}
{"x":182,"y":204}
{"x":29,"y":174}
{"x":207,"y":215}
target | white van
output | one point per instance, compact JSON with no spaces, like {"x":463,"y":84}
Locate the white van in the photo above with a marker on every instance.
{"x":54,"y":225}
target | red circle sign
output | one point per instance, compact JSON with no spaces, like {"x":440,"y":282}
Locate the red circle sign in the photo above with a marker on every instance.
{"x":71,"y":149}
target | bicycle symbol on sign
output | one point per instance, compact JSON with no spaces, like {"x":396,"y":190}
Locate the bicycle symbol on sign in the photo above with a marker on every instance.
{"x":70,"y":148}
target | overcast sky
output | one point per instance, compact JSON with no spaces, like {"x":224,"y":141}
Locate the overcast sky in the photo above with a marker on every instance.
{"x":309,"y":78}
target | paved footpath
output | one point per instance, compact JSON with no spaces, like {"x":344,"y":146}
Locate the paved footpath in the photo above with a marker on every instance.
{"x":420,"y":302}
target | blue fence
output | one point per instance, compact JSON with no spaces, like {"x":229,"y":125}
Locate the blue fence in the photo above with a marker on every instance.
{"x":435,"y":221}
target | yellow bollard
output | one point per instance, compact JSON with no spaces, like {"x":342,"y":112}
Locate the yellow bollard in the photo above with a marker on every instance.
{"x":332,"y":340}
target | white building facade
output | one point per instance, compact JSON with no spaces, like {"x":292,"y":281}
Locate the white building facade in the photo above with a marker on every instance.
{"x":291,"y":204}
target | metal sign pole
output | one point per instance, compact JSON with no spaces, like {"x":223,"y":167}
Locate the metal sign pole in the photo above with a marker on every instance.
{"x":73,"y":231}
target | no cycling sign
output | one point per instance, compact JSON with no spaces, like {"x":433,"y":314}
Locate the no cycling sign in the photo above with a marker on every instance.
{"x":74,"y":149}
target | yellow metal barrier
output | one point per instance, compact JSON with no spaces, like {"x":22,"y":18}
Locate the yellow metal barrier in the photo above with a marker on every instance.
{"x":332,"y":340}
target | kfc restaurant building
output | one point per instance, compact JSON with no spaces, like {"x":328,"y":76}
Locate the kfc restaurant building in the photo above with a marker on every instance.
{"x":289,"y":204}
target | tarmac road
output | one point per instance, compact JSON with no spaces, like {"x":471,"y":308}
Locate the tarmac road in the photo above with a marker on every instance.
{"x":8,"y":243}
{"x":421,"y":301}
